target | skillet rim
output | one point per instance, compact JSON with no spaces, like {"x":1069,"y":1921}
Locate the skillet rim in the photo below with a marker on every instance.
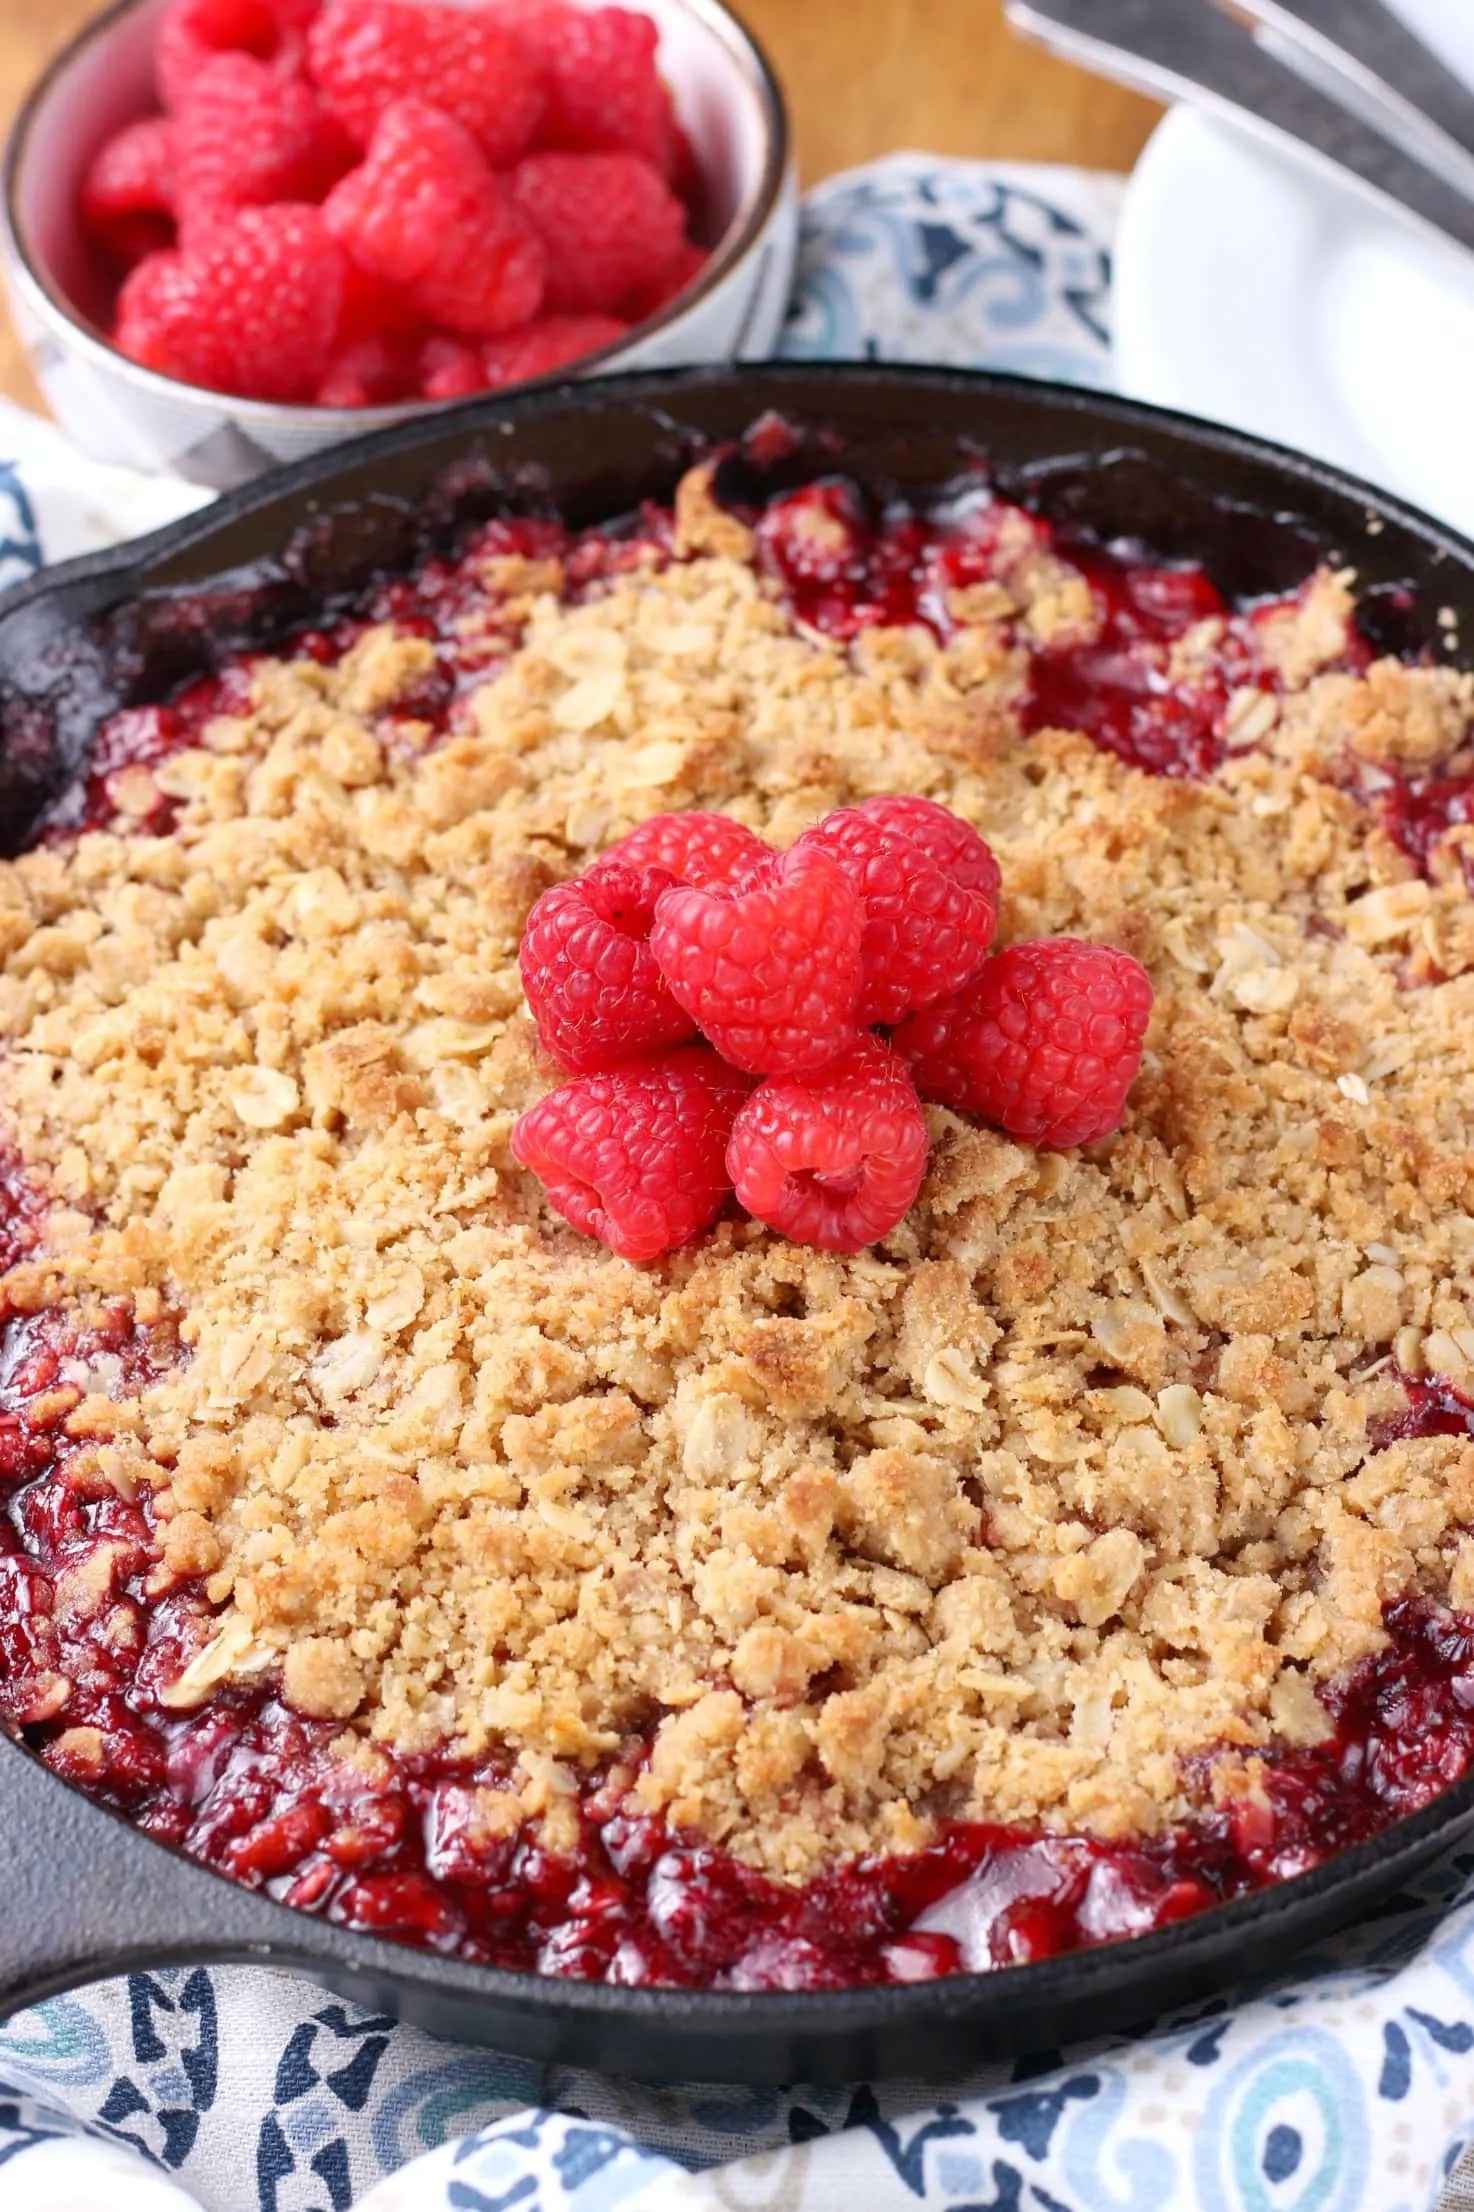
{"x":602,"y":394}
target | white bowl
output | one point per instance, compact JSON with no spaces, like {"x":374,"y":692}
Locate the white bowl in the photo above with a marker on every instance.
{"x":727,"y":98}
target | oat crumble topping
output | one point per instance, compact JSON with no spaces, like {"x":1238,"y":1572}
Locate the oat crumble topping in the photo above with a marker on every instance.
{"x":1005,"y":1518}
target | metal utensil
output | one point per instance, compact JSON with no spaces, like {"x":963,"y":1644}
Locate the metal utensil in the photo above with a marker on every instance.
{"x":1369,"y":61}
{"x":1365,"y":37}
{"x":1195,"y":53}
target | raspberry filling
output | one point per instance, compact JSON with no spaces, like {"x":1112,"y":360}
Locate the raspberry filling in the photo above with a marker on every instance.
{"x":96,"y":1628}
{"x":844,"y":569}
{"x":452,"y":601}
{"x":862,"y":573}
{"x":1419,"y":811}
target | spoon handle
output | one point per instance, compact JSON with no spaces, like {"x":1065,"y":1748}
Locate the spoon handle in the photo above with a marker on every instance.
{"x":1178,"y":51}
{"x":1362,"y":55}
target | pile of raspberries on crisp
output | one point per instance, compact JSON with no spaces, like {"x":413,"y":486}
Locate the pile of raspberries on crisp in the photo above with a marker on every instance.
{"x":357,"y":203}
{"x":719,"y":1004}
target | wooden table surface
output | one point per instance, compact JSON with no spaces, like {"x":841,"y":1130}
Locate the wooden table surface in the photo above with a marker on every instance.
{"x":864,"y":77}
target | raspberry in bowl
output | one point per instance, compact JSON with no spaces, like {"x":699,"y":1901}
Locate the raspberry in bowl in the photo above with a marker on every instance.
{"x":238,"y":231}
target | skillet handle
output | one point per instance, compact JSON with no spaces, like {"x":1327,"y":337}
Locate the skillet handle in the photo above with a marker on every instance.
{"x":84,"y":1896}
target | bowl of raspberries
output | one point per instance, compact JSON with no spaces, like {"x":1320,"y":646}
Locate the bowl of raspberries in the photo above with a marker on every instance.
{"x":751,"y":1032}
{"x":238,"y":231}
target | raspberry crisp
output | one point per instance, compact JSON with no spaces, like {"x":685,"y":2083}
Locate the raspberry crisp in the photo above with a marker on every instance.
{"x":929,"y":1490}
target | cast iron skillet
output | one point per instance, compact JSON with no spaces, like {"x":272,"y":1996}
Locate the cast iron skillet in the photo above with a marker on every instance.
{"x":81,"y":1893}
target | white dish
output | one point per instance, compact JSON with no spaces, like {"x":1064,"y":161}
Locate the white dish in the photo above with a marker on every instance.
{"x":1255,"y":288}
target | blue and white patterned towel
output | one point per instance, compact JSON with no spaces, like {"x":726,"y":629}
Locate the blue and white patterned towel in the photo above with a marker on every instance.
{"x":1348,"y":2089}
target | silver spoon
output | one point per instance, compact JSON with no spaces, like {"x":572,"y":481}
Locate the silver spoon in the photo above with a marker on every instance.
{"x":1182,"y":50}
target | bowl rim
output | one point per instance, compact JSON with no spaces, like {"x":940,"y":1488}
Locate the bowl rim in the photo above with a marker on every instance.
{"x":51,"y":305}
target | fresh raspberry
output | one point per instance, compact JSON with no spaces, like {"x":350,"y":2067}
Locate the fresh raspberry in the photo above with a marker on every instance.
{"x":251,"y":307}
{"x":833,"y":1159}
{"x":128,"y":194}
{"x":376,"y":357}
{"x":426,"y":213}
{"x":451,"y":368}
{"x":768,"y":969}
{"x":953,"y":844}
{"x":679,"y":278}
{"x":247,"y":137}
{"x":370,"y":372}
{"x":550,"y":343}
{"x":604,"y":91}
{"x":693,"y":847}
{"x":1045,"y":1041}
{"x":610,"y":224}
{"x":637,"y":1156}
{"x":366,"y":55}
{"x":590,"y":977}
{"x":374,"y":309}
{"x":193,"y":32}
{"x":925,"y":934}
{"x":687,"y":178}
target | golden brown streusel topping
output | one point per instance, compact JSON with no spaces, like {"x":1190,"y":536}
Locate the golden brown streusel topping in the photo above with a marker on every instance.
{"x":1067,"y":1479}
